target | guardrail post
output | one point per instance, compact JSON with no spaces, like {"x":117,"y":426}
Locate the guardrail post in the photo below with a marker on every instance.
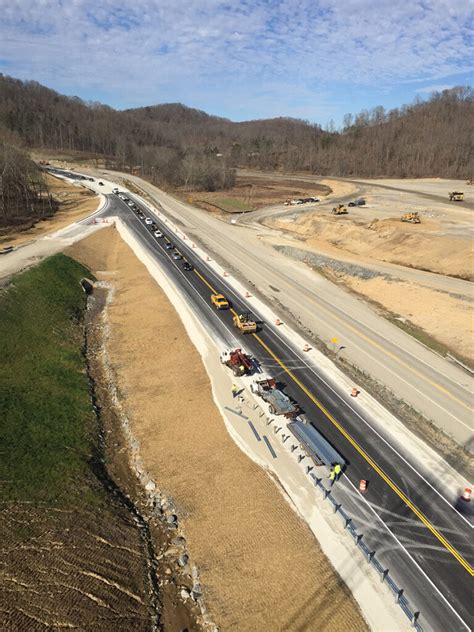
{"x":347,"y":523}
{"x":358,"y":538}
{"x":384,"y":575}
{"x":370,"y":556}
{"x":414,"y":619}
{"x":398,"y":595}
{"x":336,"y":507}
{"x":326,"y":493}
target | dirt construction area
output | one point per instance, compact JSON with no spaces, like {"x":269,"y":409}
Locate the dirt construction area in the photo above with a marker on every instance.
{"x":260,"y":566}
{"x":382,"y":259}
{"x":251,"y":193}
{"x":74,"y":203}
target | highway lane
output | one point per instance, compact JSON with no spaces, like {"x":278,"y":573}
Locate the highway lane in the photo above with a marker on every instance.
{"x":430,"y":384}
{"x":426,"y":544}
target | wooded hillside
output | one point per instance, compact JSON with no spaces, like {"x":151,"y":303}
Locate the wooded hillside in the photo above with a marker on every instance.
{"x":177,"y":145}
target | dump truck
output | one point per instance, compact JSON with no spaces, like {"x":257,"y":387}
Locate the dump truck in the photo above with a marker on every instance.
{"x":219,"y":301}
{"x":412,"y":217}
{"x":340,"y":210}
{"x":278,"y":402}
{"x":244,"y":323}
{"x":456,"y":196}
{"x":238,"y":361}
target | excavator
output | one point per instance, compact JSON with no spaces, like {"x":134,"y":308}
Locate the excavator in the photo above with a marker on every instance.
{"x":456,"y":196}
{"x":412,"y":217}
{"x":340,"y":210}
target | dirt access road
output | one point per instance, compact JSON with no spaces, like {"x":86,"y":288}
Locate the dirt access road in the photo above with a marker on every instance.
{"x":427,"y":382}
{"x":257,"y":559}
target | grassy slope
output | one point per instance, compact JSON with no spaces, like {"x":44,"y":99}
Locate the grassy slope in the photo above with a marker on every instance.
{"x":46,"y":419}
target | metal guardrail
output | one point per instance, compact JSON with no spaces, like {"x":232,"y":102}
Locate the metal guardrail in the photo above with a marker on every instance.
{"x":458,"y":362}
{"x":370,"y":556}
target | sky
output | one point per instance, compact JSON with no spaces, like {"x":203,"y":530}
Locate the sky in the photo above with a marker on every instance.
{"x":247,"y":59}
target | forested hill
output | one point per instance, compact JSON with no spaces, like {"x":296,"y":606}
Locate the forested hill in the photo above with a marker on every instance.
{"x":180,"y":145}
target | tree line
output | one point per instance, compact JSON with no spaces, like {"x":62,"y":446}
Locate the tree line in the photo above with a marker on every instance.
{"x":24,"y":195}
{"x":179,"y":146}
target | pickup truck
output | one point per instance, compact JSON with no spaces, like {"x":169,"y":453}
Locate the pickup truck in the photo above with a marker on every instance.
{"x":219,"y":301}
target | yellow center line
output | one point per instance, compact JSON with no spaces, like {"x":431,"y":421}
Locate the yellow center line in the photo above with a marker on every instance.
{"x":371,"y":462}
{"x":206,"y":282}
{"x":359,"y":449}
{"x":378,"y":346}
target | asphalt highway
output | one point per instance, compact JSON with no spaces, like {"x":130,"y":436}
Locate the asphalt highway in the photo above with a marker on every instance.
{"x":421,"y":536}
{"x":427,"y":382}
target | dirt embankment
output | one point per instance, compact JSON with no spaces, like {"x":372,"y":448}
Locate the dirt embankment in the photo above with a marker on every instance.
{"x":260,"y":567}
{"x":74,"y":203}
{"x":386,"y":240}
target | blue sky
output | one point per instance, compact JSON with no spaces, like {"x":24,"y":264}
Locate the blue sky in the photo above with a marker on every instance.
{"x":311,"y":59}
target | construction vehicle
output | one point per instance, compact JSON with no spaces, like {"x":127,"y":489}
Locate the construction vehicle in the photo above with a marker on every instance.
{"x":456,"y":196}
{"x":278,"y":402}
{"x":238,"y":361}
{"x":244,"y":323}
{"x":340,"y":210}
{"x":219,"y":301}
{"x":412,"y":217}
{"x":469,"y":182}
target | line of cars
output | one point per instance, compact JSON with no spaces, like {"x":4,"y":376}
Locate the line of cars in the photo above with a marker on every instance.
{"x":153,"y":228}
{"x":244,"y":322}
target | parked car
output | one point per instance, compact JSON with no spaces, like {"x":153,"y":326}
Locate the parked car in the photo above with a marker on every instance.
{"x":359,"y":202}
{"x":169,"y":245}
{"x":176,"y":256}
{"x":148,"y":221}
{"x":158,"y":234}
{"x":187,"y":266}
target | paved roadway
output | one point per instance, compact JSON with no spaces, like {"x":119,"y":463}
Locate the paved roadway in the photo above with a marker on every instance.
{"x":429,"y":383}
{"x":419,"y":535}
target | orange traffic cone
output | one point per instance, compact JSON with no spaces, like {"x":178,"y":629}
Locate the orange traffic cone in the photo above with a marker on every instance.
{"x":354,"y":392}
{"x":306,"y":347}
{"x":278,"y":322}
{"x":247,"y":295}
{"x":466,"y":495}
{"x":362,"y":486}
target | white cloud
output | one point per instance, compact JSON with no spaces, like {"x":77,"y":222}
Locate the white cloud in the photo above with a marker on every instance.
{"x":147,"y":51}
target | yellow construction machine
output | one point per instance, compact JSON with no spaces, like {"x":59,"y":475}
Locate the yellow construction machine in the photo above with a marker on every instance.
{"x":244,"y":323}
{"x":412,"y":217}
{"x":340,"y":210}
{"x":456,"y":196}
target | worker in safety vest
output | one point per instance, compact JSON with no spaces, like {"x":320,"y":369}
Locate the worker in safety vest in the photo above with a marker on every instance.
{"x":335,"y":472}
{"x":242,"y":368}
{"x":235,"y":390}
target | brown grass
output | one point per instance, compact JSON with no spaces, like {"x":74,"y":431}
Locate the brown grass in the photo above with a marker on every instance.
{"x":250,"y":193}
{"x":260,"y":566}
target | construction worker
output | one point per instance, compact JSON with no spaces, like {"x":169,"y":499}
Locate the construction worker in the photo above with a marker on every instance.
{"x":235,"y":390}
{"x":335,"y":473}
{"x":242,"y":369}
